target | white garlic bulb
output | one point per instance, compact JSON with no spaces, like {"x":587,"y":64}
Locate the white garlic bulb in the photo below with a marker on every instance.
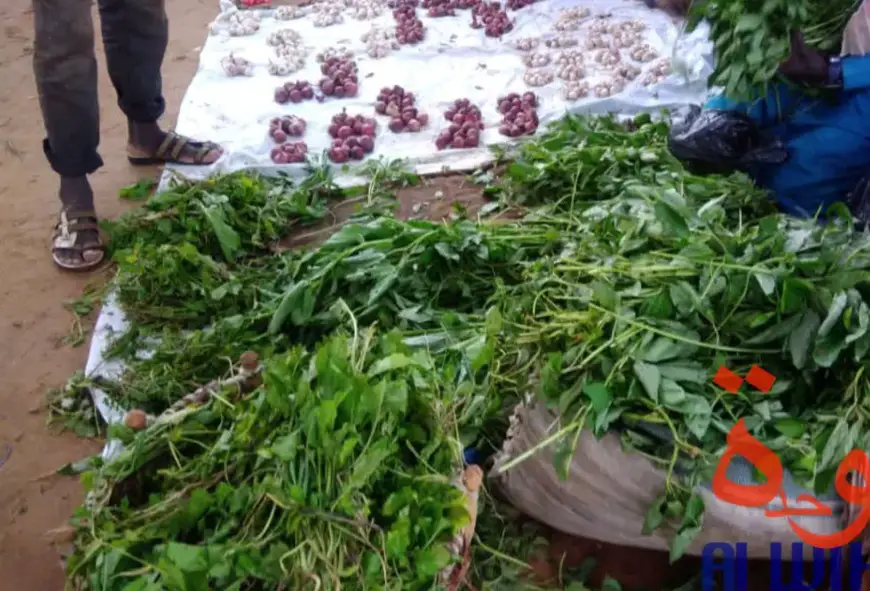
{"x":643,"y":53}
{"x":561,"y":41}
{"x":537,"y":59}
{"x":573,"y":91}
{"x":380,"y":42}
{"x":526,"y":43}
{"x":289,"y":13}
{"x":538,"y":77}
{"x":233,"y":65}
{"x":571,"y":72}
{"x":628,"y":71}
{"x":608,"y":57}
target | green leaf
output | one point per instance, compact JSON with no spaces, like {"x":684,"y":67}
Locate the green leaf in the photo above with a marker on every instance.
{"x":598,"y":395}
{"x":800,"y":341}
{"x":431,"y":561}
{"x":228,"y":239}
{"x":682,"y":541}
{"x":835,"y":311}
{"x":368,"y":463}
{"x":765,"y":279}
{"x":291,"y":300}
{"x":749,"y":22}
{"x":791,"y":427}
{"x":390,"y":363}
{"x":671,"y":220}
{"x":382,"y":286}
{"x":655,"y":516}
{"x":777,"y":332}
{"x":650,"y":378}
{"x":285,"y":447}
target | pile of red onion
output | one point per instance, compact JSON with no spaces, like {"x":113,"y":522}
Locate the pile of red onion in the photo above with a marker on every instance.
{"x":409,"y":28}
{"x":438,"y":8}
{"x":399,"y":105}
{"x":340,"y":79}
{"x":518,"y":4}
{"x":294,"y":92}
{"x":290,"y":153}
{"x":280,"y":128}
{"x":353,"y":137}
{"x":490,"y":17}
{"x":520,"y":114}
{"x":466,"y":122}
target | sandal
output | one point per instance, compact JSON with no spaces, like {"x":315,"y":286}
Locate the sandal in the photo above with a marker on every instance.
{"x":66,"y":240}
{"x":172,"y":147}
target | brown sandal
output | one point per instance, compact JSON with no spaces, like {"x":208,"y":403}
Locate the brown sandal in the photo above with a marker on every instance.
{"x":66,"y":240}
{"x":171,"y":149}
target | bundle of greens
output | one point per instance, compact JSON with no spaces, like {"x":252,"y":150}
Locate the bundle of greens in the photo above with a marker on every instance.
{"x":751,"y":39}
{"x":615,"y":299}
{"x":335,"y":474}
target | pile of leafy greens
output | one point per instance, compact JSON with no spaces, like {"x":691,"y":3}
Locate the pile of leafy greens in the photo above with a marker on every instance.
{"x":394,"y":346}
{"x":751,"y":38}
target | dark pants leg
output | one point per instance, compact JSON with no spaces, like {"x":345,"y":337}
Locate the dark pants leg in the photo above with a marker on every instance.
{"x":135,"y":36}
{"x":66,"y":78}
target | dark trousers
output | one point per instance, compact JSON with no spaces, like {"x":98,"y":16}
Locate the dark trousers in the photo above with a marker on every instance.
{"x":135,"y":34}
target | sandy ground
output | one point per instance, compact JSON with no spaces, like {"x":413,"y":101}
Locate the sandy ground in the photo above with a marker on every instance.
{"x":33,"y":321}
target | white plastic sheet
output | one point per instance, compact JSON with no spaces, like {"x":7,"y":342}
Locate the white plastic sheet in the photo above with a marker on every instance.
{"x":454,"y":61}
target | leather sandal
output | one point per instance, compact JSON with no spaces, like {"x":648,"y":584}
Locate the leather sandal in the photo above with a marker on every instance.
{"x":67,"y":240}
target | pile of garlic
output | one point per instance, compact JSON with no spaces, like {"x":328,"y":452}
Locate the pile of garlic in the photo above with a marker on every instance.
{"x":657,"y":72}
{"x":642,"y":53}
{"x":575,"y":90}
{"x":236,"y":66}
{"x":526,"y":44}
{"x":236,"y":23}
{"x":380,"y":42}
{"x":289,"y":13}
{"x":609,"y":87}
{"x":538,"y":77}
{"x":570,"y":64}
{"x":561,"y":41}
{"x":570,"y":19}
{"x":366,"y":9}
{"x":290,"y":52}
{"x":537,"y":59}
{"x":328,"y":13}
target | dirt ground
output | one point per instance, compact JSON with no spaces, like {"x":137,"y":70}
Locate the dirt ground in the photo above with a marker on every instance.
{"x":34,"y":321}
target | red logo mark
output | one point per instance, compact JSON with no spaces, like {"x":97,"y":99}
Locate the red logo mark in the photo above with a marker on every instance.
{"x":731,"y":382}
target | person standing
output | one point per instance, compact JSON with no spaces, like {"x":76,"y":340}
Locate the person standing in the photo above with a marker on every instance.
{"x":135,"y":36}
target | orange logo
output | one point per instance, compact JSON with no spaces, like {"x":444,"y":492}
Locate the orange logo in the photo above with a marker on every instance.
{"x":741,"y":443}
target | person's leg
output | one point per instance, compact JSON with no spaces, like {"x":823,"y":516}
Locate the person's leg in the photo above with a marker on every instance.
{"x":135,"y":34}
{"x":66,"y":78}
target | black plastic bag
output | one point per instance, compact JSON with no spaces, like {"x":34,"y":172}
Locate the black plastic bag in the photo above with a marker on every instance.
{"x":710,"y":141}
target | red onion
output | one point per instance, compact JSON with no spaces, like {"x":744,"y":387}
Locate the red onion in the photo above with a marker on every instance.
{"x":466,"y":122}
{"x":353,"y":137}
{"x":409,"y":28}
{"x":490,"y":17}
{"x":294,"y":92}
{"x":339,"y":77}
{"x":289,"y":125}
{"x":398,"y":104}
{"x":289,"y":153}
{"x":520,"y":115}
